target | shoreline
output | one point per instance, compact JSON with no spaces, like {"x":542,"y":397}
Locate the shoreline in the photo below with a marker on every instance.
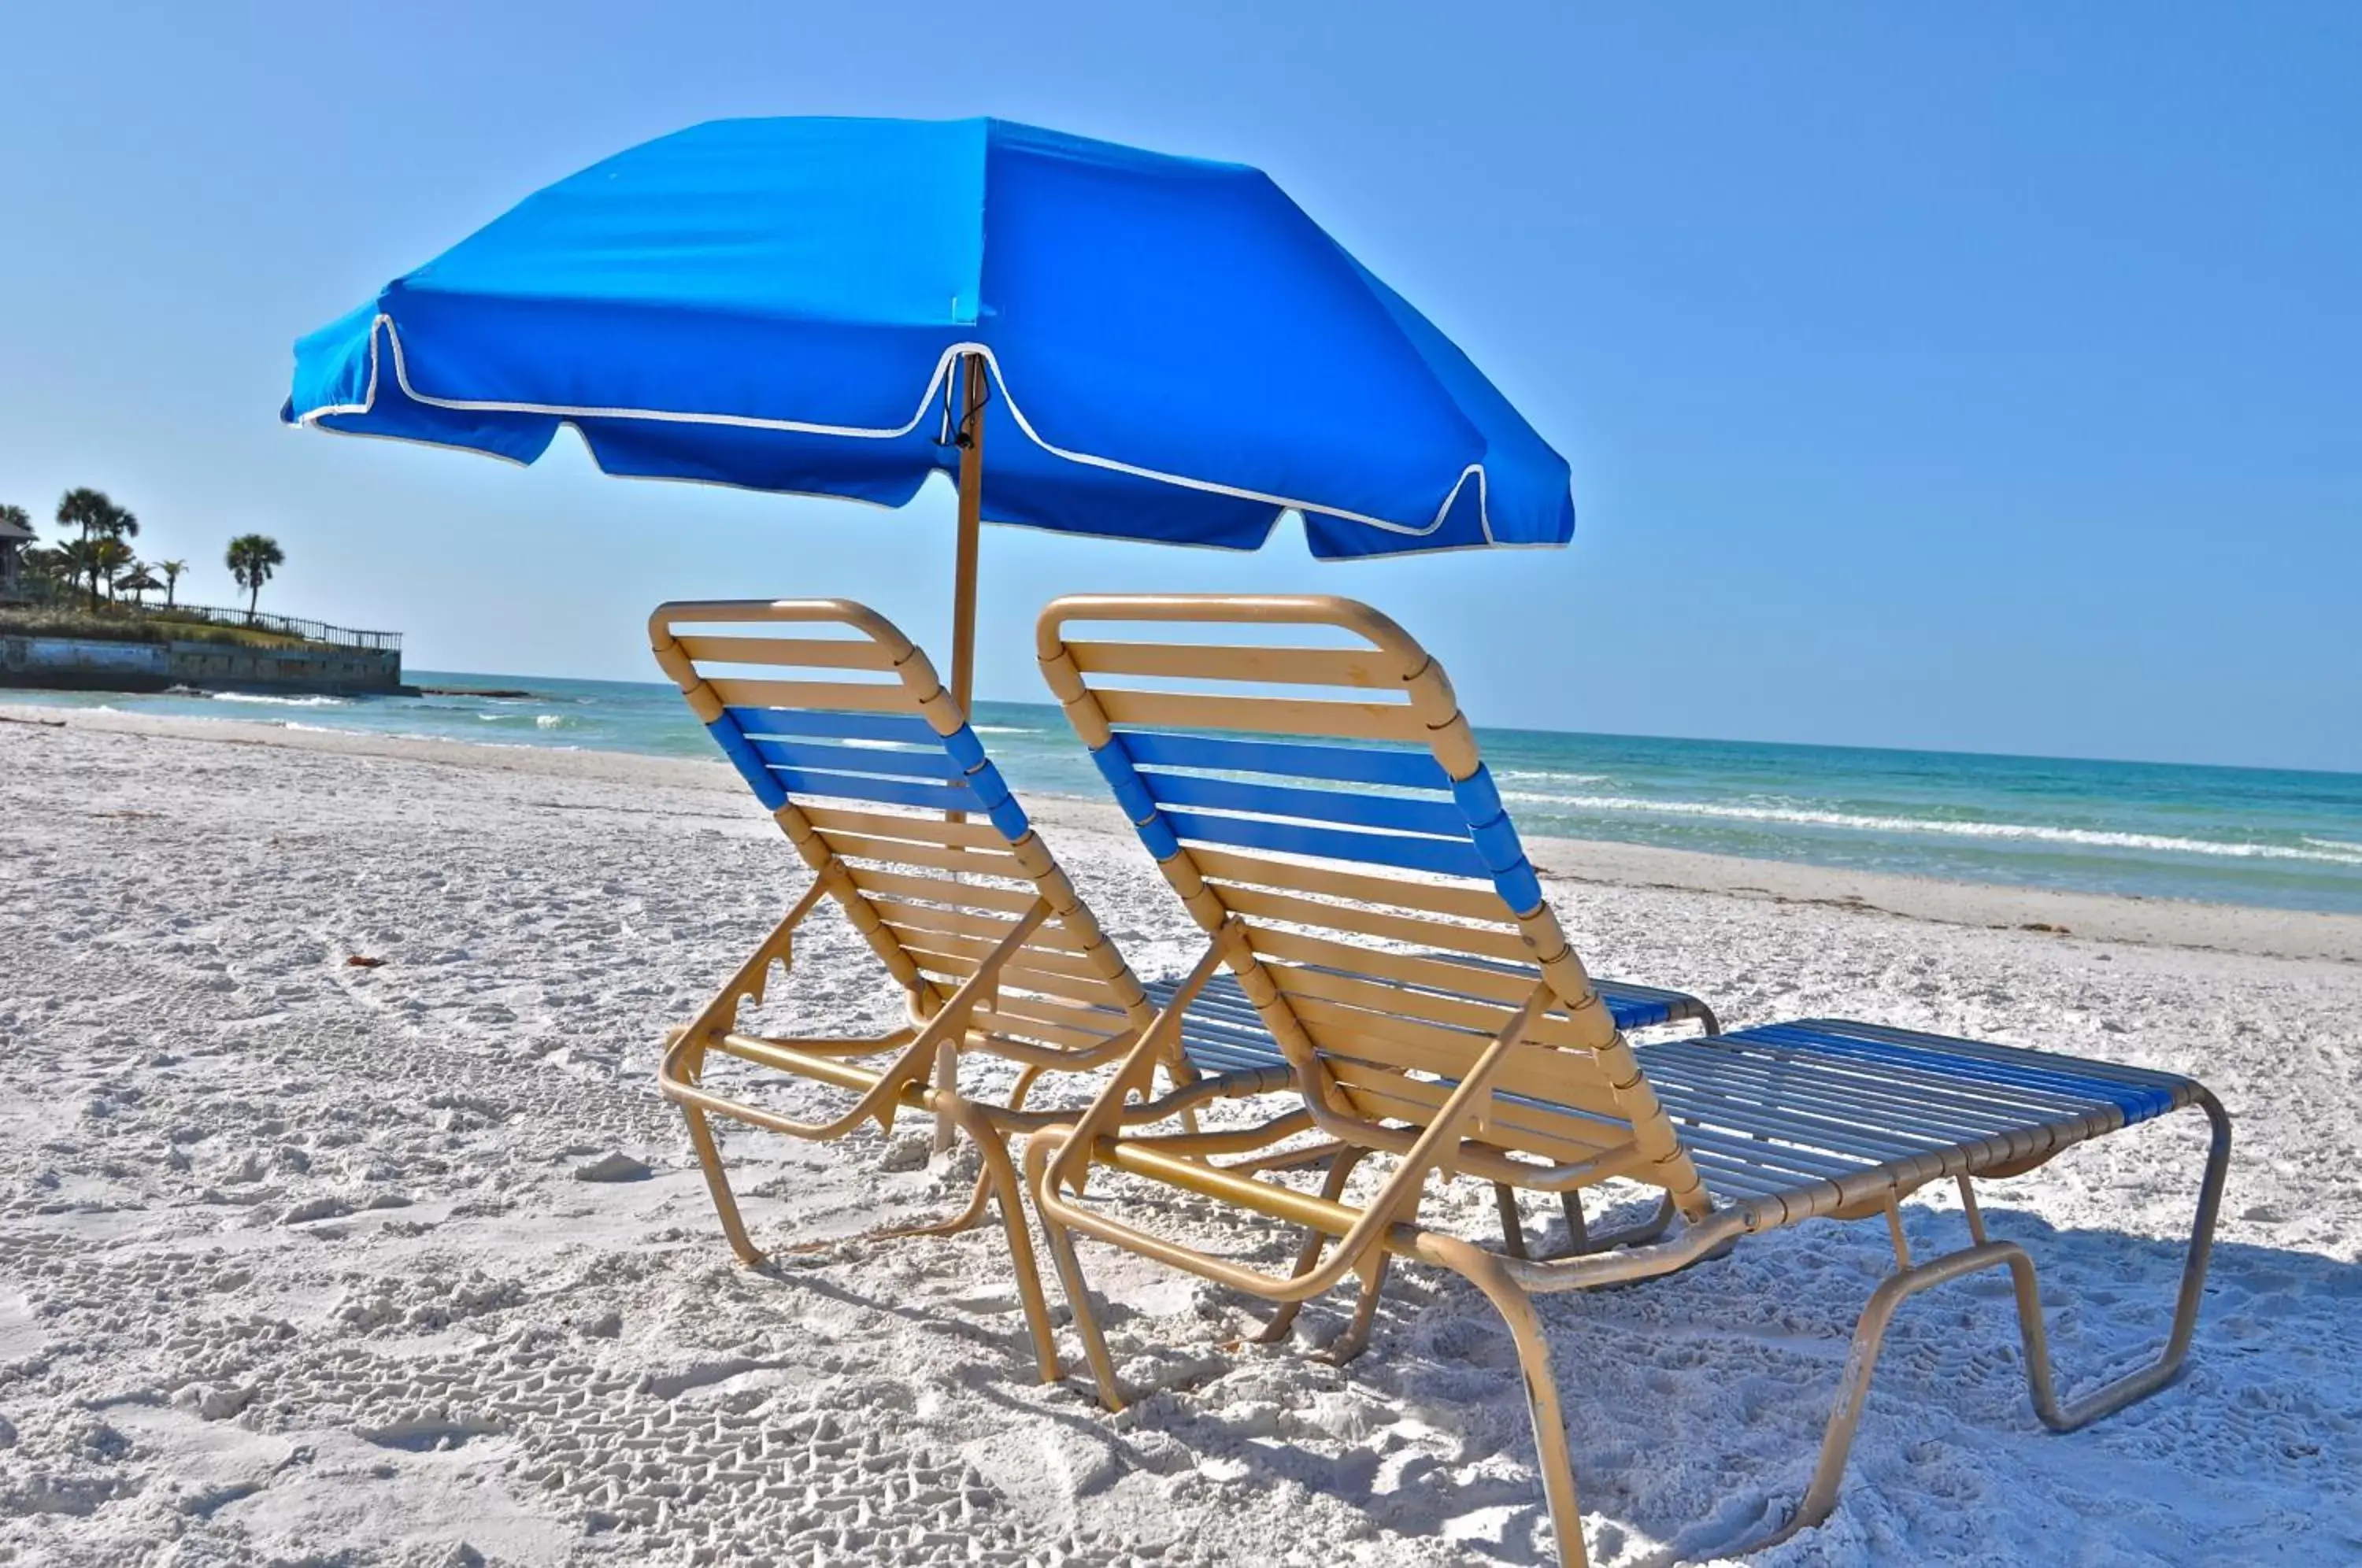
{"x":2249,"y":929}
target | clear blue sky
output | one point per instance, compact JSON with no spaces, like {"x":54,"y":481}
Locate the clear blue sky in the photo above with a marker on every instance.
{"x":1983,"y":378}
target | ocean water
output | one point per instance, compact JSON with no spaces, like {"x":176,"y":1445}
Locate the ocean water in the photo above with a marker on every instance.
{"x":2287,"y":840}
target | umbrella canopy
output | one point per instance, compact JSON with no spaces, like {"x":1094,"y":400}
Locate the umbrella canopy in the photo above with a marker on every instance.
{"x":825,"y":307}
{"x":778,"y":303}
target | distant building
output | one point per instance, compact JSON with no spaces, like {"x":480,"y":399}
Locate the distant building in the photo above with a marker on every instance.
{"x":14,"y":537}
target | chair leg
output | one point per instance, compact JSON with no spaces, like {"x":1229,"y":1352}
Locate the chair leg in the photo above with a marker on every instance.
{"x":1000,"y":1171}
{"x":1077,"y":1289}
{"x":1086,"y":1323}
{"x":1638,"y":1235}
{"x":709,"y":1159}
{"x":1489,"y":1274}
{"x":1578,"y":1228}
{"x":1820,"y":1498}
{"x":946,"y":1082}
{"x":2138,"y":1384}
{"x":1513,"y":1224}
{"x":1581,"y":1239}
{"x":1341,"y":1167}
{"x":980,"y":1195}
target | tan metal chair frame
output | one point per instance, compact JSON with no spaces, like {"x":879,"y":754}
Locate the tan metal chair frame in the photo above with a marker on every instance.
{"x":921,"y":1071}
{"x":1058,"y":1161}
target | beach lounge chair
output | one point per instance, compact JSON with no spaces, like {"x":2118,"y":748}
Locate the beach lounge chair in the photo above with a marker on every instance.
{"x":851,"y":741}
{"x":860,"y":759}
{"x":1327,"y":843}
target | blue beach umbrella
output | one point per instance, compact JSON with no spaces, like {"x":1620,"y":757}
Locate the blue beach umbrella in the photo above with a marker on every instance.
{"x":830,"y":306}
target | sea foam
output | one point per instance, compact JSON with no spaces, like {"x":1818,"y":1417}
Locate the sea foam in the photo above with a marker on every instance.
{"x":2093,"y":838}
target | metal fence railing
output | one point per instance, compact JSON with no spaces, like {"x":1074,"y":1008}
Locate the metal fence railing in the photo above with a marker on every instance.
{"x":154,"y":619}
{"x":285,"y":626}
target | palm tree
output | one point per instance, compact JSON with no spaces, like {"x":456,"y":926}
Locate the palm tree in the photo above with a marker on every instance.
{"x":49,"y":566}
{"x":84,"y":510}
{"x":172,"y":570}
{"x":80,"y":558}
{"x":110,"y":557}
{"x":251,"y":558}
{"x":96,"y":518}
{"x":18,"y":515}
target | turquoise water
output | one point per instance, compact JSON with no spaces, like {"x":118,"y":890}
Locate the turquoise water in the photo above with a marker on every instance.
{"x":2227,"y":834}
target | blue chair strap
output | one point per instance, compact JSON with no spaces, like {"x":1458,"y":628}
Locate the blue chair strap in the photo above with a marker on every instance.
{"x":930,"y":765}
{"x":1347,"y":765}
{"x":887,"y":791}
{"x":831,"y":726}
{"x":1451,"y":857}
{"x":1356,"y":808}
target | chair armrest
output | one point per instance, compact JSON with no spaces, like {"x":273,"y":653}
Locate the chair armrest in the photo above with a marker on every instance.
{"x":1368,"y":1227}
{"x":884,"y":1097}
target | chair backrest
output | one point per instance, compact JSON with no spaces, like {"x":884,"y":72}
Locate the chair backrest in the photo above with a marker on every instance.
{"x":846,"y":735}
{"x":1347,"y":822}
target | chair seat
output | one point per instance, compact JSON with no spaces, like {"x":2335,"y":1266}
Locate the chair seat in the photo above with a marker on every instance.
{"x":1783,"y":1106}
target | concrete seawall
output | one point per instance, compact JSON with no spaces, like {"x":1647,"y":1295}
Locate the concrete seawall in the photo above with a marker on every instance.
{"x":86,"y":664}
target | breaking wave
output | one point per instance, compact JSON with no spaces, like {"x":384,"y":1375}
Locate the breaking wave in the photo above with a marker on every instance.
{"x":2324,"y":852}
{"x":280,"y":702}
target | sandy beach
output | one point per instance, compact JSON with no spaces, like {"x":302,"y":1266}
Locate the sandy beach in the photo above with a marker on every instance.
{"x":302,"y":1261}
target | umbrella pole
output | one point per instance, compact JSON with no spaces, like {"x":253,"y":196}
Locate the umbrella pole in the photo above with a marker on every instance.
{"x":971,"y":519}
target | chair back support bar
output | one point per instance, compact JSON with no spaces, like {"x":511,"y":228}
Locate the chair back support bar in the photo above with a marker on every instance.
{"x":855,"y":748}
{"x":1341,"y":820}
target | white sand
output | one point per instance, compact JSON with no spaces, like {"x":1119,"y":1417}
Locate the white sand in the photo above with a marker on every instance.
{"x":294,"y":1264}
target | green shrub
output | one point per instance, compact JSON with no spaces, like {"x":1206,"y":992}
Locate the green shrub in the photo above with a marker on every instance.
{"x":123,"y":624}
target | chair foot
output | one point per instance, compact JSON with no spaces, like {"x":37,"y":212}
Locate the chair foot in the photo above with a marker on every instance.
{"x":1356,"y":1337}
{"x":979,"y":1199}
{"x":1275,"y":1327}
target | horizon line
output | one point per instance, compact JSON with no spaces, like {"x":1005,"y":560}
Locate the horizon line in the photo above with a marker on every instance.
{"x":1620,"y":734}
